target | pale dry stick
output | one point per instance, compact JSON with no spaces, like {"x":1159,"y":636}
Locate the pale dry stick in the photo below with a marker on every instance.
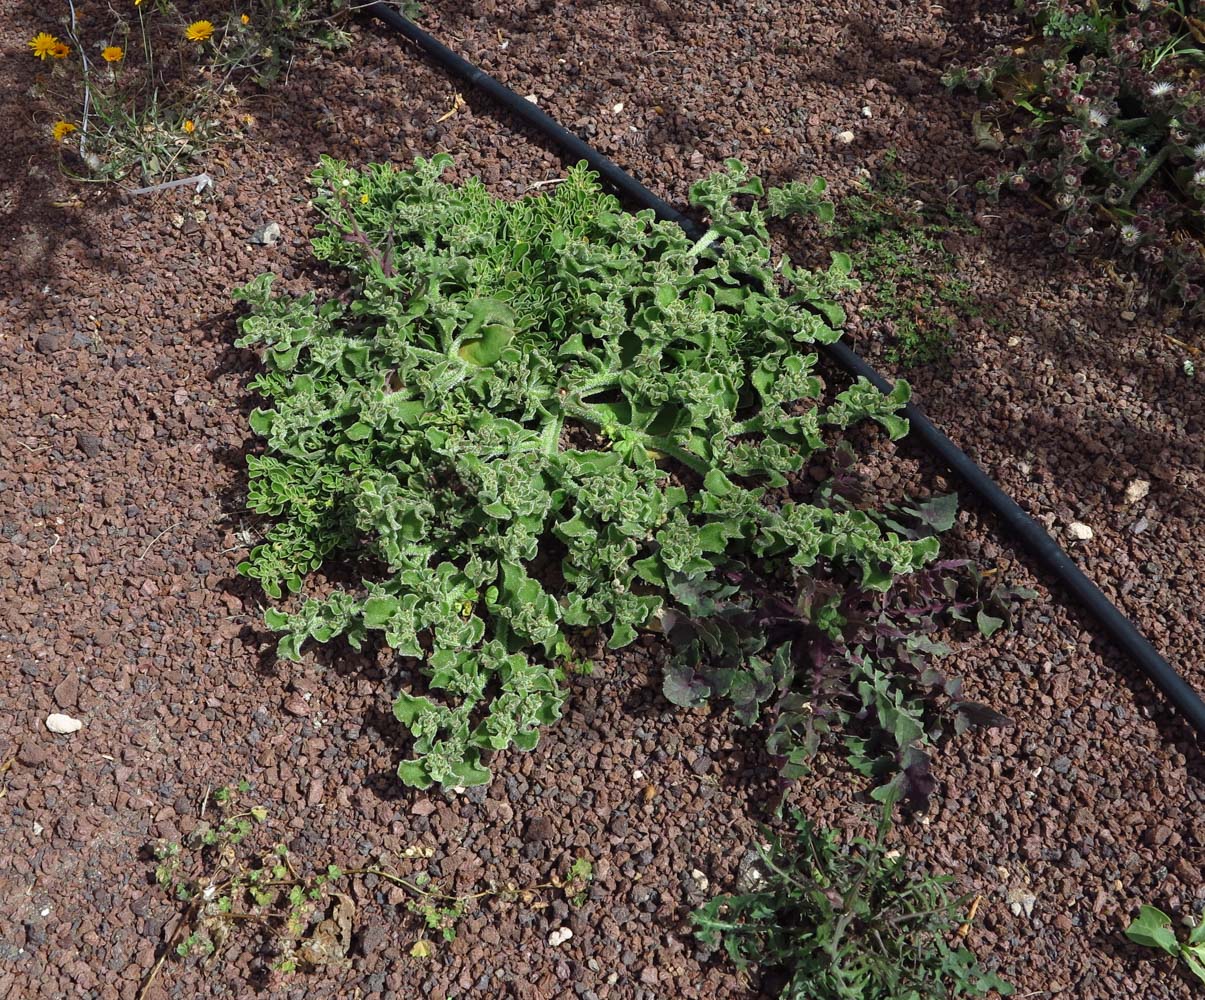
{"x":1180,"y":343}
{"x":202,"y":181}
{"x":168,"y":948}
{"x":457,"y":104}
{"x":965,"y":929}
{"x":289,"y":68}
{"x":3,"y":771}
{"x":83,"y":132}
{"x":156,"y":538}
{"x":205,"y":801}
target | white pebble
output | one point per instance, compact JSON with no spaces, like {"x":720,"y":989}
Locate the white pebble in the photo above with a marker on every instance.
{"x":63,"y":724}
{"x":845,"y":138}
{"x":1138,"y":489}
{"x":559,"y":936}
{"x":617,"y":107}
{"x":1079,"y":531}
{"x":1021,"y":902}
{"x":866,"y":112}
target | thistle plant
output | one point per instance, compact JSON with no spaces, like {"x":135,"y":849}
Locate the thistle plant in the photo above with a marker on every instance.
{"x":831,"y":921}
{"x":1111,"y":102}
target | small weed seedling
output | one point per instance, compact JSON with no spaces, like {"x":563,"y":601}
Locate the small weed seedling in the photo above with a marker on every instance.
{"x":836,"y":922}
{"x":912,"y":278}
{"x":227,"y":873}
{"x":231,"y":874}
{"x":1153,"y":929}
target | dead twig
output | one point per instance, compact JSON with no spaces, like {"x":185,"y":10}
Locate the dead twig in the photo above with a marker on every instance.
{"x":169,"y":947}
{"x":156,"y":538}
{"x":457,"y":104}
{"x":965,"y":929}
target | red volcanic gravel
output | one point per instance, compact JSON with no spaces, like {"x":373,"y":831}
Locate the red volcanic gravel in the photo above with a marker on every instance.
{"x":123,"y":409}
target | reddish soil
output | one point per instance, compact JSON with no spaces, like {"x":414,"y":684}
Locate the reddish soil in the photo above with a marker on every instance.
{"x":123,"y":406}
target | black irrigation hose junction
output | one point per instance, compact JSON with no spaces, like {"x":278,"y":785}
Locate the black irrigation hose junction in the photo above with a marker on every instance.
{"x":1044,"y":548}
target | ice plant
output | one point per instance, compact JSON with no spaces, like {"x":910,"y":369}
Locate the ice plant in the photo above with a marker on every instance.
{"x":199,"y":31}
{"x":419,"y":429}
{"x":112,"y":53}
{"x":44,"y":44}
{"x":61,"y":130}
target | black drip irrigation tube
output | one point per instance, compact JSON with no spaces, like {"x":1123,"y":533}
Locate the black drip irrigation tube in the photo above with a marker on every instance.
{"x":1044,"y":548}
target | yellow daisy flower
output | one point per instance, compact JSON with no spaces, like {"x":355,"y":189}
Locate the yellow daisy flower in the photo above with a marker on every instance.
{"x":189,"y":126}
{"x":61,"y":130}
{"x":43,"y":44}
{"x":61,"y":50}
{"x":112,"y":53}
{"x":199,"y":31}
{"x":245,"y":18}
{"x":363,"y":199}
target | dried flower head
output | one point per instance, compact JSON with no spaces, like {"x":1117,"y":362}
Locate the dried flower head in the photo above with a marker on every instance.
{"x":61,"y":50}
{"x":112,"y":53}
{"x":61,"y":130}
{"x":199,"y":31}
{"x":43,"y":44}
